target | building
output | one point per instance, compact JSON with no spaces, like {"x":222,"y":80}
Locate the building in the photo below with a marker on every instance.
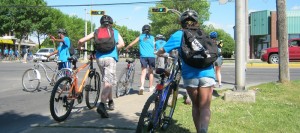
{"x":263,"y":30}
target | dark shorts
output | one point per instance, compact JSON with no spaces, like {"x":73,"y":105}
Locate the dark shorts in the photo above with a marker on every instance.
{"x":147,"y":61}
{"x":64,"y":65}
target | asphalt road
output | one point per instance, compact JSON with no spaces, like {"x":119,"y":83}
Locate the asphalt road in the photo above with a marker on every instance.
{"x":19,"y":109}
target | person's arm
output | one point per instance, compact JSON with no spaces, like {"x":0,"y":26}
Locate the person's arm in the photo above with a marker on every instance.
{"x":132,"y":43}
{"x":55,"y":52}
{"x":84,"y":39}
{"x":121,"y":43}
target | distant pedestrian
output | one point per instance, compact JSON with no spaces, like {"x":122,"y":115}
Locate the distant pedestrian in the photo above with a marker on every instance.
{"x":147,"y":56}
{"x":160,"y":41}
{"x":218,"y":63}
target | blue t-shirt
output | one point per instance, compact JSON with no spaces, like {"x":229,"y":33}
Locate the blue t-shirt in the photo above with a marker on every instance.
{"x":188,"y":72}
{"x":113,"y":53}
{"x":63,"y":50}
{"x":146,"y":46}
{"x":159,"y":44}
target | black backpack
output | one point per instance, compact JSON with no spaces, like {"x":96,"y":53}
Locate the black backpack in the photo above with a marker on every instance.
{"x":197,"y":48}
{"x":104,"y":40}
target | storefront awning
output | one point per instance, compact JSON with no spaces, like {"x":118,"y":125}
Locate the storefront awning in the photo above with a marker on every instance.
{"x":6,"y":41}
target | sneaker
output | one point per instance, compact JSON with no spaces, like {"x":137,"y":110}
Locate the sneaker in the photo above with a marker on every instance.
{"x":141,"y":90}
{"x":111,"y":105}
{"x":151,"y":89}
{"x":220,"y":85}
{"x":102,"y":111}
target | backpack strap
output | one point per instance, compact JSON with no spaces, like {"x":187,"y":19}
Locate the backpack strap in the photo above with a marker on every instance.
{"x":116,"y":36}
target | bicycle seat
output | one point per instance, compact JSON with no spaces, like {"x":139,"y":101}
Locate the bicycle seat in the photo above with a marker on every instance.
{"x":130,"y":60}
{"x":161,"y":71}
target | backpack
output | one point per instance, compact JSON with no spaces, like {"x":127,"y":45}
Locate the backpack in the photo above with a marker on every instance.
{"x":71,"y":49}
{"x":197,"y":49}
{"x":104,"y":40}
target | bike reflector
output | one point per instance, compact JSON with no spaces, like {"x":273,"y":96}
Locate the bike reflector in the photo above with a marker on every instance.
{"x":128,"y":66}
{"x":159,"y":87}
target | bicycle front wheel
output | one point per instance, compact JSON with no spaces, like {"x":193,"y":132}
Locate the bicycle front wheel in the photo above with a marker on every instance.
{"x":122,"y":84}
{"x":92,"y":91}
{"x":61,"y":101}
{"x":147,"y":117}
{"x":31,"y":80}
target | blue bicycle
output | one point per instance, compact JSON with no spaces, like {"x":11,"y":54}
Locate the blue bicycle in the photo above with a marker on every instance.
{"x":159,"y":108}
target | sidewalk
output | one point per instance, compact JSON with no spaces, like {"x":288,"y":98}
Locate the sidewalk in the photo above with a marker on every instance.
{"x":82,"y":120}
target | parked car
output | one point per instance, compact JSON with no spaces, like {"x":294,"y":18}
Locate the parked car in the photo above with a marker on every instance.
{"x":41,"y":53}
{"x":271,"y":55}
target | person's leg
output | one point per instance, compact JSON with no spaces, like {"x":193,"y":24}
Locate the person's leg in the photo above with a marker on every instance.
{"x":195,"y":97}
{"x":205,"y":100}
{"x":143,"y":74}
{"x":150,"y":71}
{"x":218,"y":75}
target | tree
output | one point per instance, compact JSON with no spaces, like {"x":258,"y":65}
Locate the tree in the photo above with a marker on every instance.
{"x":167,"y":23}
{"x":284,"y":73}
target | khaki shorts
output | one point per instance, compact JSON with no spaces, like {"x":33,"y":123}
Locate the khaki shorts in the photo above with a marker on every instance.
{"x":107,"y":68}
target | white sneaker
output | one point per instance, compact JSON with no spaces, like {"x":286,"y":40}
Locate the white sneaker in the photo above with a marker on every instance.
{"x":151,"y":89}
{"x":141,"y":90}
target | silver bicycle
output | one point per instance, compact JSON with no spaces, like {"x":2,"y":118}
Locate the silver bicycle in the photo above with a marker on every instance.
{"x":31,"y":78}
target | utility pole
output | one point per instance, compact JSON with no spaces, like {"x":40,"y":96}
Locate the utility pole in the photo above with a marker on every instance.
{"x":85,"y":33}
{"x":240,"y":28}
{"x":284,"y":72}
{"x":92,"y":26}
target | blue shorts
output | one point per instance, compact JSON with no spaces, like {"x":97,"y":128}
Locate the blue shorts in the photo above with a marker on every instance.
{"x":147,"y":61}
{"x":64,"y":65}
{"x":199,"y":82}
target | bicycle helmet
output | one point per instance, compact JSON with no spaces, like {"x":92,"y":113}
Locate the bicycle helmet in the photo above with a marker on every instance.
{"x":63,"y":31}
{"x":146,"y":28}
{"x":105,"y":20}
{"x":189,"y":15}
{"x":159,"y":36}
{"x":213,"y":34}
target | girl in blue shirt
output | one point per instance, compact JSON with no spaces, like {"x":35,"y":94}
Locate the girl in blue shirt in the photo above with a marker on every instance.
{"x":198,"y":82}
{"x":147,"y":56}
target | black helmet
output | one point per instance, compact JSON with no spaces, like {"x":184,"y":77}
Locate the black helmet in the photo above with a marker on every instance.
{"x":105,"y":19}
{"x":189,"y":15}
{"x":63,"y":31}
{"x":146,"y":28}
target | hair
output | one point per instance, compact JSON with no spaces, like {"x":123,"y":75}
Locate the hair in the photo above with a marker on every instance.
{"x":189,"y":24}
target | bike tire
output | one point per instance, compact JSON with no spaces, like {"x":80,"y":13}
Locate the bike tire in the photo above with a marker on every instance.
{"x":122,"y":84}
{"x":92,"y":90}
{"x":131,"y":77}
{"x":60,"y":98}
{"x":31,"y":80}
{"x":145,"y":123}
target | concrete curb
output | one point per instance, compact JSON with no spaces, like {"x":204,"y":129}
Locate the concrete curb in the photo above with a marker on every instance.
{"x":264,"y":65}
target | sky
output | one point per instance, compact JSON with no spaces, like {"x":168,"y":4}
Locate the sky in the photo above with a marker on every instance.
{"x":135,"y":16}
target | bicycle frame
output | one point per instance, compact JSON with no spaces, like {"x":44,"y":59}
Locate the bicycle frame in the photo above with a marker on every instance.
{"x":163,"y":89}
{"x":75,"y":78}
{"x":44,"y":66}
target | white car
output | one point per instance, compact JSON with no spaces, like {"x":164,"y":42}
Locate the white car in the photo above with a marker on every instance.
{"x":42,"y":53}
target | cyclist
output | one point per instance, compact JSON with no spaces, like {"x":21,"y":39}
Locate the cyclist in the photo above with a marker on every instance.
{"x":198,"y":82}
{"x":107,"y":65}
{"x":147,"y":56}
{"x":218,"y":63}
{"x":160,"y":41}
{"x":62,"y":49}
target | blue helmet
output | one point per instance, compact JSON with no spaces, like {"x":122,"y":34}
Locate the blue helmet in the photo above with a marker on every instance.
{"x":213,"y":34}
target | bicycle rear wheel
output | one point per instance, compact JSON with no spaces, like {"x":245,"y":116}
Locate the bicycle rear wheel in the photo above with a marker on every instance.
{"x":92,"y":91}
{"x":31,"y":80}
{"x":146,"y":120}
{"x":60,"y":102}
{"x":122,"y":84}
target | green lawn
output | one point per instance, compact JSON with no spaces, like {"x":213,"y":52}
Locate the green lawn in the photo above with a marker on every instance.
{"x":276,"y":110}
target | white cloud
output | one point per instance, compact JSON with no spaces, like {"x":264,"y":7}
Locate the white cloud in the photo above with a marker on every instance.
{"x":251,"y":10}
{"x":296,"y":7}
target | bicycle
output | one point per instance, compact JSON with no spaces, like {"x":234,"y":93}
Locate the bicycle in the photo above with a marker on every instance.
{"x":31,"y":78}
{"x":157,"y":112}
{"x":66,"y":90}
{"x":126,"y":78}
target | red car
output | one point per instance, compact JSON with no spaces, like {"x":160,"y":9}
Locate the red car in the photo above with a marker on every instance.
{"x":271,"y":55}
